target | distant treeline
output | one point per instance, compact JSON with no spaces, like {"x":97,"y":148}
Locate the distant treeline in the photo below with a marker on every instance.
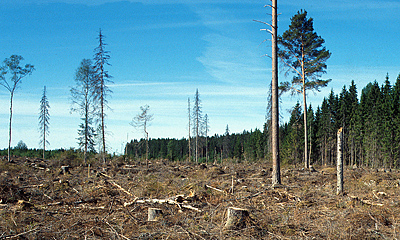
{"x":66,"y":156}
{"x":32,"y":152}
{"x":247,"y":146}
{"x":371,"y":128}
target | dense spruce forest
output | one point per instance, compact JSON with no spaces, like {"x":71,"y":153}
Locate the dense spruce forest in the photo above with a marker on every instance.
{"x":371,"y":126}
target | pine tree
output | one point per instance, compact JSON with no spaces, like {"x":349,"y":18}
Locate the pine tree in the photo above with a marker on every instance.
{"x":44,"y":121}
{"x":303,"y":53}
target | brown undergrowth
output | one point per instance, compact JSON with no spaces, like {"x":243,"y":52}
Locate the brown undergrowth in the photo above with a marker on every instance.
{"x":38,"y":201}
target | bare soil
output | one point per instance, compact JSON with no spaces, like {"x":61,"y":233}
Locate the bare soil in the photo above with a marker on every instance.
{"x":39,"y":201}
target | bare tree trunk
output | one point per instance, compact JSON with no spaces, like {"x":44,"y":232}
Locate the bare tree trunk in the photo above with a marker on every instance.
{"x":197,"y":145}
{"x":86,"y":132}
{"x":206,"y":149}
{"x":339,"y":161}
{"x":147,"y":147}
{"x":325,"y":151}
{"x":9,"y":131}
{"x":102,"y":123}
{"x":189,"y":130}
{"x":306,"y":160}
{"x":352,"y":151}
{"x":276,"y":172}
{"x":44,"y":138}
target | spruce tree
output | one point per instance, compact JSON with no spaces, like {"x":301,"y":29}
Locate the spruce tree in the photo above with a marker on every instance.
{"x":293,"y":145}
{"x":197,"y":123}
{"x":44,"y":121}
{"x":370,"y":104}
{"x":353,"y":129}
{"x":101,"y":90}
{"x":396,"y":122}
{"x":387,"y":130}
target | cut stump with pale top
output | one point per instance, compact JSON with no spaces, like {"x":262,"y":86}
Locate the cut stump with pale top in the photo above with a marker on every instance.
{"x":237,"y":218}
{"x":154,"y":214}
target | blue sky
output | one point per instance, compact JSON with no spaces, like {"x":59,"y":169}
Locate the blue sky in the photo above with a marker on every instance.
{"x":162,"y":50}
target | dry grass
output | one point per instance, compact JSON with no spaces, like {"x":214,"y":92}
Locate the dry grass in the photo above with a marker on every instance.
{"x":37,"y":202}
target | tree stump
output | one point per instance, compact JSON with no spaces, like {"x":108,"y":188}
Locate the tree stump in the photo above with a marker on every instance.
{"x":237,"y":218}
{"x":65,"y":169}
{"x":154,"y":214}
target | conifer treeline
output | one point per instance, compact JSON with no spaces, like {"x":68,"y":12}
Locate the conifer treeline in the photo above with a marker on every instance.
{"x":371,"y":126}
{"x":245,"y":146}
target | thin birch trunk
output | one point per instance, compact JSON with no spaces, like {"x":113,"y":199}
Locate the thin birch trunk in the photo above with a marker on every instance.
{"x":9,"y":131}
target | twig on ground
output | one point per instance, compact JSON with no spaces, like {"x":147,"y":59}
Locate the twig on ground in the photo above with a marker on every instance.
{"x":20,"y":234}
{"x":32,"y":186}
{"x":121,"y":188}
{"x":216,"y":189}
{"x":368,"y":202}
{"x":115,"y":231}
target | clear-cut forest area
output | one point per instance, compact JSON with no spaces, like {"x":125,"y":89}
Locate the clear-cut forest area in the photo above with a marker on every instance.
{"x":42,"y":200}
{"x":331,"y":170}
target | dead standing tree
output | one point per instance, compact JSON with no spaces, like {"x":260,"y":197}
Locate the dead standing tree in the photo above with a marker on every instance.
{"x":141,"y":121}
{"x":189,"y":146}
{"x":11,"y":67}
{"x":276,"y":172}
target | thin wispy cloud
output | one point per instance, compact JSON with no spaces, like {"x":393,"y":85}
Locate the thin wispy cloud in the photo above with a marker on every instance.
{"x":135,"y":84}
{"x":232,"y":60}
